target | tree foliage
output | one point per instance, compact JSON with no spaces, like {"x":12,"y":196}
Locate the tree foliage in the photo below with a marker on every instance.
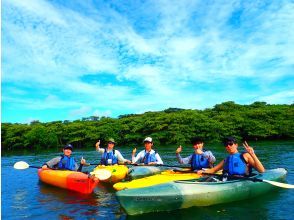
{"x":171,"y":126}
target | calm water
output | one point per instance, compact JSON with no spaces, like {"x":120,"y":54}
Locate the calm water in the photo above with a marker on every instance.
{"x":24,"y":197}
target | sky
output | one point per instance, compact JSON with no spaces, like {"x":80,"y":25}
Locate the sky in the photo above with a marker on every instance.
{"x":69,"y":59}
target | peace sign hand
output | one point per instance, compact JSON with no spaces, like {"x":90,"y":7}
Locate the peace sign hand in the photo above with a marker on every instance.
{"x":248,"y":148}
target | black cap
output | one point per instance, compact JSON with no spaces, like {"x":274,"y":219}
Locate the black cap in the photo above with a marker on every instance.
{"x":68,"y":146}
{"x":229,"y":140}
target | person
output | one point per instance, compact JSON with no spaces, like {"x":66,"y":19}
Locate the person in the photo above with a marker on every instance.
{"x":201,"y":158}
{"x":110,"y":156}
{"x":65,"y":161}
{"x":237,"y":164}
{"x":147,"y":156}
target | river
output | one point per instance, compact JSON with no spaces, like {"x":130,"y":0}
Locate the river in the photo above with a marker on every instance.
{"x":24,"y":197}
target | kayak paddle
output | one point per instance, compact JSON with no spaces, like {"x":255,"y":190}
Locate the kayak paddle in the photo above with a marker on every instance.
{"x":21,"y":165}
{"x":254,"y":179}
{"x":103,"y":174}
{"x":158,"y":165}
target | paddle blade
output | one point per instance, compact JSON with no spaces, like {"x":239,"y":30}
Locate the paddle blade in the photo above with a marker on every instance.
{"x":283,"y":185}
{"x":21,"y":165}
{"x":101,"y":174}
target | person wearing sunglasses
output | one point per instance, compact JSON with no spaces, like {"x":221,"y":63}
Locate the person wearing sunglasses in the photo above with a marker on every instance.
{"x":201,"y":158}
{"x":237,"y":163}
{"x":110,"y":156}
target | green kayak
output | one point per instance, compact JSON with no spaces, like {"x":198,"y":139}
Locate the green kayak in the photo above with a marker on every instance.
{"x":185,"y":194}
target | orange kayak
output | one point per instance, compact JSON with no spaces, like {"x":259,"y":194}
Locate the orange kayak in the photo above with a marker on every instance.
{"x":66,"y":179}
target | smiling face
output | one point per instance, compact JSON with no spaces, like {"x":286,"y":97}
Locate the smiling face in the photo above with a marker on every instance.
{"x":148,"y":146}
{"x":67,"y":152}
{"x":110,"y":145}
{"x":198,"y":145}
{"x":231,"y":147}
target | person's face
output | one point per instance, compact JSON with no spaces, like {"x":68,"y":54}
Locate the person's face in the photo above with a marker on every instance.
{"x":67,"y":152}
{"x":110,"y":145}
{"x":231,"y":147}
{"x":198,"y":146}
{"x":148,"y":145}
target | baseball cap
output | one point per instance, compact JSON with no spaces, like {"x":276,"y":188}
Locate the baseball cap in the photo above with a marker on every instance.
{"x":68,"y":146}
{"x":148,"y":139}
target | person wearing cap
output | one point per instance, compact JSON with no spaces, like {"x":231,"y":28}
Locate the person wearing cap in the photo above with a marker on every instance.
{"x":110,"y":156}
{"x":65,"y":161}
{"x":201,"y":158}
{"x":239,"y":164}
{"x":147,"y":156}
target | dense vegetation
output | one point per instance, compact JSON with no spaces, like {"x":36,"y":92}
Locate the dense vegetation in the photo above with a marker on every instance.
{"x":172,"y":126}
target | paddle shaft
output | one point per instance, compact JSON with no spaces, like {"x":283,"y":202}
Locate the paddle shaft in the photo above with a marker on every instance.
{"x":254,"y":179}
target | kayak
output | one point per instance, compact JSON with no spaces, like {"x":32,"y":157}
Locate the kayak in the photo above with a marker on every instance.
{"x":163,"y":177}
{"x":185,"y":194}
{"x":66,"y":179}
{"x":118,"y":172}
{"x":137,"y":172}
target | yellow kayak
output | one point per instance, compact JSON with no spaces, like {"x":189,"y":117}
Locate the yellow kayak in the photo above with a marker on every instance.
{"x":118,"y":172}
{"x":163,"y":177}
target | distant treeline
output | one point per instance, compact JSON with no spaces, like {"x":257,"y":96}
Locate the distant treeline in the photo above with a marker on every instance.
{"x":172,"y":126}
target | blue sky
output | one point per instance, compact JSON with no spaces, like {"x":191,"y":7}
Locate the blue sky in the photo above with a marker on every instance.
{"x":64,"y":60}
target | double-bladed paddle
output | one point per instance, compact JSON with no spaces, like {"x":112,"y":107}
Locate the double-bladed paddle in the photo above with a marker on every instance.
{"x":102,"y":174}
{"x":254,"y":179}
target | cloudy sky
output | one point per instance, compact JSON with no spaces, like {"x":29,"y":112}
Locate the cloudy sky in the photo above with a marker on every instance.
{"x":64,"y":60}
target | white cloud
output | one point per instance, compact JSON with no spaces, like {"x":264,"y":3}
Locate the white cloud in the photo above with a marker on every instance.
{"x":51,"y":47}
{"x":285,"y":97}
{"x":80,"y":112}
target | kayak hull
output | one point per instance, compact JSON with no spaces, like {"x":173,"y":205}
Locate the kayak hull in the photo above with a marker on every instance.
{"x":185,"y":194}
{"x":137,"y":172}
{"x":118,"y":172}
{"x":163,"y":177}
{"x":70,"y":180}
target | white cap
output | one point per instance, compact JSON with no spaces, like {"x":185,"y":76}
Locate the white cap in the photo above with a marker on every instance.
{"x":148,"y":139}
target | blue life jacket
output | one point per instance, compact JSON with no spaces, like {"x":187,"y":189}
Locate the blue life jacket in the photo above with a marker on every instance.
{"x":149,"y":157}
{"x":235,"y":164}
{"x":108,"y":155}
{"x":198,"y":161}
{"x":66,"y":163}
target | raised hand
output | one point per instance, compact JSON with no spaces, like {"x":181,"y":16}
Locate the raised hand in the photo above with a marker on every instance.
{"x":248,"y":148}
{"x":98,"y":145}
{"x":134,"y":151}
{"x":83,"y":161}
{"x":179,"y":149}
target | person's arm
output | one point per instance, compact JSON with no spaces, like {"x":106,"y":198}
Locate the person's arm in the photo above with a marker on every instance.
{"x":159,"y":160}
{"x":252,"y":159}
{"x":209,"y":156}
{"x":181,"y":160}
{"x":214,"y":169}
{"x":186,"y":160}
{"x":51,"y":163}
{"x":120,"y":158}
{"x":137,"y":158}
{"x":98,"y":149}
{"x":80,"y":166}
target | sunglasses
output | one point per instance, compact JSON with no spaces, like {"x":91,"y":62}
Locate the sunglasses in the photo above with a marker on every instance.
{"x":229,"y":143}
